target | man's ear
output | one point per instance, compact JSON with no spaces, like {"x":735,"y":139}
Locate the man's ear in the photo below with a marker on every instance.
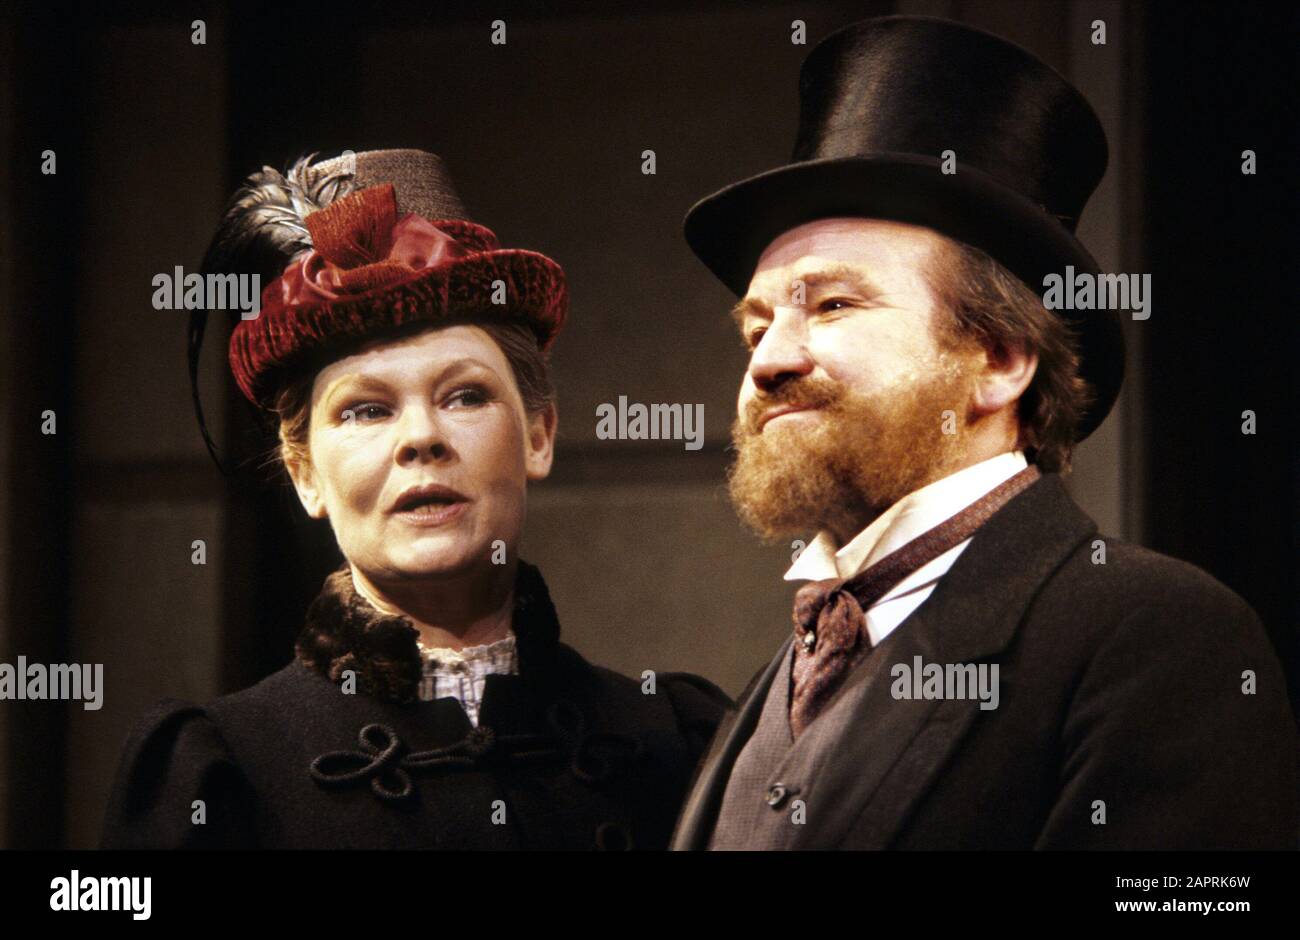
{"x":304,"y":482}
{"x":540,"y":443}
{"x":1008,"y":368}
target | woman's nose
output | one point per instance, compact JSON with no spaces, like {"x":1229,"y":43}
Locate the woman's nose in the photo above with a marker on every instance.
{"x":781,"y":353}
{"x":420,"y":436}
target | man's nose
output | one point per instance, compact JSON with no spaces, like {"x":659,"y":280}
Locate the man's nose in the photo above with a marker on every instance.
{"x":781,"y":353}
{"x":420,"y":435}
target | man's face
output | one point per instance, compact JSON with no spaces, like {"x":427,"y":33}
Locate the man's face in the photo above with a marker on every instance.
{"x":851,"y":401}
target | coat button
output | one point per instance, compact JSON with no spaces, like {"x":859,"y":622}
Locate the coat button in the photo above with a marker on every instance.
{"x":776,"y":795}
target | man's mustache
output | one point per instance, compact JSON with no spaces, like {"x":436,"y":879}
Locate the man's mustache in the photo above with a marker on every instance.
{"x":796,"y":393}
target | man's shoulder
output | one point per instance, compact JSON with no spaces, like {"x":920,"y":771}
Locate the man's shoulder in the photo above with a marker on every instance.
{"x":1106,"y":572}
{"x":1116,"y":597}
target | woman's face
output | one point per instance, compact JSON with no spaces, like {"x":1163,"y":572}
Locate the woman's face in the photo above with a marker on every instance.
{"x":439,"y":411}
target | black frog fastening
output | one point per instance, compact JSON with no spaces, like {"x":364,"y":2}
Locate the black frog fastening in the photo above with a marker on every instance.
{"x":385,"y":762}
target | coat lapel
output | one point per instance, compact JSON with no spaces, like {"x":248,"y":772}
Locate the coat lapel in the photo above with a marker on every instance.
{"x":701,"y":809}
{"x":873,"y":774}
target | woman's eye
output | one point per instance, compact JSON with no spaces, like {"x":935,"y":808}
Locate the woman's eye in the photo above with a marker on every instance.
{"x":833,"y":304}
{"x":469,"y":397}
{"x":366,"y":412}
{"x":753,"y":339}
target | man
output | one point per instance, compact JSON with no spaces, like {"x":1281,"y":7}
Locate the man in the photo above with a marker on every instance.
{"x":972,"y":664}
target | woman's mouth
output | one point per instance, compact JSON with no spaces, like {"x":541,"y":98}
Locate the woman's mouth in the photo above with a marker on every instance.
{"x":432,"y":512}
{"x":429,"y":505}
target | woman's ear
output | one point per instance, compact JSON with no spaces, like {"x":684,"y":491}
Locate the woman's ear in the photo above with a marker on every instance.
{"x":540,"y":443}
{"x":304,"y":482}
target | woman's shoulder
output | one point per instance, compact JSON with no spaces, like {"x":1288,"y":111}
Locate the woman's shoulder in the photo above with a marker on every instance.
{"x":692,"y":702}
{"x":177,"y":784}
{"x":293,"y":686}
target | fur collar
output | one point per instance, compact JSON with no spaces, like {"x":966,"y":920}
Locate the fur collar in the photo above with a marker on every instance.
{"x":343,"y":631}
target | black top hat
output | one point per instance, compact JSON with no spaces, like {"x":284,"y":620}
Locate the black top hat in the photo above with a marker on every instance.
{"x":880,"y":101}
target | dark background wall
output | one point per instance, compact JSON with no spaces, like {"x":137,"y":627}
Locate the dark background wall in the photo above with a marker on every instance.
{"x":544,"y":135}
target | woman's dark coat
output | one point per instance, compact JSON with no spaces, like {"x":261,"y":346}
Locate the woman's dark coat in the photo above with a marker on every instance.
{"x":567,"y":755}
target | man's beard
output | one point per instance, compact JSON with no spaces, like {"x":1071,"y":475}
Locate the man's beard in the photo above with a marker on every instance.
{"x":857,"y":458}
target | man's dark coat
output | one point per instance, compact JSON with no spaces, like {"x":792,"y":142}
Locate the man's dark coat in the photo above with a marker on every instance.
{"x":1121,"y":699}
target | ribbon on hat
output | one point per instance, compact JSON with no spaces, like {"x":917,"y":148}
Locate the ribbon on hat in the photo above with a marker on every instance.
{"x":359,"y":244}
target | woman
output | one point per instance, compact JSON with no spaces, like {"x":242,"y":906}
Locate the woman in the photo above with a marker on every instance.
{"x":430,"y":703}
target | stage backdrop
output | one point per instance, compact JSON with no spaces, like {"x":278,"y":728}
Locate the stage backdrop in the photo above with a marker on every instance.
{"x":546,"y":138}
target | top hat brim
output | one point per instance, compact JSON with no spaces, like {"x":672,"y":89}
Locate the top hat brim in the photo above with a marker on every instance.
{"x":730,"y":230}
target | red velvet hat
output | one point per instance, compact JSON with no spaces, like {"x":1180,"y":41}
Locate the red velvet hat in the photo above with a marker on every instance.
{"x":383,"y":244}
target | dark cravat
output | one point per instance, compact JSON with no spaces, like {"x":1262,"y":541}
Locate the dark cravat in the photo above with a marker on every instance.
{"x":829,"y":624}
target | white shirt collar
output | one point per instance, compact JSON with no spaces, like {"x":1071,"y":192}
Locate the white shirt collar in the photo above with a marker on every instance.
{"x":912,"y":515}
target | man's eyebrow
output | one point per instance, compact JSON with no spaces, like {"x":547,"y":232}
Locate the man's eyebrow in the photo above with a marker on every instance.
{"x":840,"y":274}
{"x":816,"y":280}
{"x":749,"y":306}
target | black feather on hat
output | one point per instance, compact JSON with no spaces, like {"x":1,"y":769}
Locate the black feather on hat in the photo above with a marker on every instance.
{"x":260,"y":232}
